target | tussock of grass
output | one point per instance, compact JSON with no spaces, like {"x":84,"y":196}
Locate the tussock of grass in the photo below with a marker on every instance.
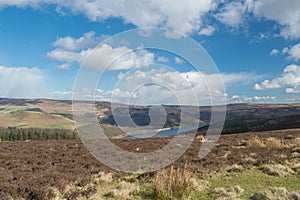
{"x":103,"y":177}
{"x":255,"y":142}
{"x":274,"y":143}
{"x":277,"y":170}
{"x":235,"y":168}
{"x":198,"y":184}
{"x":296,"y":142}
{"x":276,"y":193}
{"x":172,"y":183}
{"x":221,"y":193}
{"x":124,"y":190}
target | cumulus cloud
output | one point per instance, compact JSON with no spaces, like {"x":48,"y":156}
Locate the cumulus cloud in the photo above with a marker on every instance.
{"x":21,"y":82}
{"x":285,"y":50}
{"x":184,"y":16}
{"x":253,"y":99}
{"x":64,"y":95}
{"x":293,"y":52}
{"x":120,"y":58}
{"x":162,"y":86}
{"x":64,"y":67}
{"x":232,"y":14}
{"x":178,"y":60}
{"x":163,"y":59}
{"x":286,"y":14}
{"x":88,"y":40}
{"x":274,"y":52}
{"x":208,"y":31}
{"x":292,"y":90}
{"x":71,"y":50}
{"x":66,"y":56}
{"x":290,"y":78}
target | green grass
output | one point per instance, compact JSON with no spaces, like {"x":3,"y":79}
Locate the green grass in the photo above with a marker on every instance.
{"x":251,"y":181}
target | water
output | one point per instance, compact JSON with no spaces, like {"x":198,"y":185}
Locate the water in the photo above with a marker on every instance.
{"x":165,"y":133}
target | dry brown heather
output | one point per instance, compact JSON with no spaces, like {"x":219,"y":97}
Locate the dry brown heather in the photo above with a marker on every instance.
{"x":65,"y":169}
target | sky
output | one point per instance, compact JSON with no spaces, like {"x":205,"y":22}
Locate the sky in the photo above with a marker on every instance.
{"x":255,"y":45}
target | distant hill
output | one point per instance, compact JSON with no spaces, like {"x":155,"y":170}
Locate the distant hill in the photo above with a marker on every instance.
{"x":47,"y":113}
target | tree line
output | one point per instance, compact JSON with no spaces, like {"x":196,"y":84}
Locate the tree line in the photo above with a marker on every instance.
{"x":13,"y":134}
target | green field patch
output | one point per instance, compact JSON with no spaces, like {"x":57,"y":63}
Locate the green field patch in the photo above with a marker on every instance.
{"x":251,"y":181}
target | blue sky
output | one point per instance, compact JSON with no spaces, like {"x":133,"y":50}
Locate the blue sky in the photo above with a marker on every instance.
{"x":254,"y":43}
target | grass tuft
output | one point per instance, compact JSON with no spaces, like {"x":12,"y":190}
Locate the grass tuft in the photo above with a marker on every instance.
{"x":255,"y":141}
{"x":275,"y":193}
{"x":172,"y":183}
{"x":274,"y":143}
{"x":124,"y":190}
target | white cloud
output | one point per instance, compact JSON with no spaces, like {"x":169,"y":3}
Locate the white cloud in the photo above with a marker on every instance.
{"x":240,"y":77}
{"x":64,"y":95}
{"x":164,"y":86}
{"x":97,"y":95}
{"x":287,"y":14}
{"x":173,"y":35}
{"x":21,"y":82}
{"x":232,"y":14}
{"x":19,"y":3}
{"x":160,"y":86}
{"x":252,"y":99}
{"x":285,"y":50}
{"x":289,"y":78}
{"x":184,"y":16}
{"x":121,"y":57}
{"x":65,"y":56}
{"x":123,"y":94}
{"x":260,"y":37}
{"x":292,"y":90}
{"x":163,"y":59}
{"x":178,"y":60}
{"x":76,"y":50}
{"x":64,"y":67}
{"x":208,"y":31}
{"x":293,"y":52}
{"x":88,"y":40}
{"x":274,"y":52}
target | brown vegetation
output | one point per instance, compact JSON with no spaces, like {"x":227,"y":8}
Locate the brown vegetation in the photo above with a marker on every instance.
{"x":44,"y":169}
{"x":276,"y":193}
{"x":172,"y":183}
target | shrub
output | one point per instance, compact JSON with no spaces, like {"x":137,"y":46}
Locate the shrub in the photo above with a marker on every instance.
{"x":172,"y":183}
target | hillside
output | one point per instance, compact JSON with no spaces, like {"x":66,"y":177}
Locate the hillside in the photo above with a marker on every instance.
{"x":44,"y":113}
